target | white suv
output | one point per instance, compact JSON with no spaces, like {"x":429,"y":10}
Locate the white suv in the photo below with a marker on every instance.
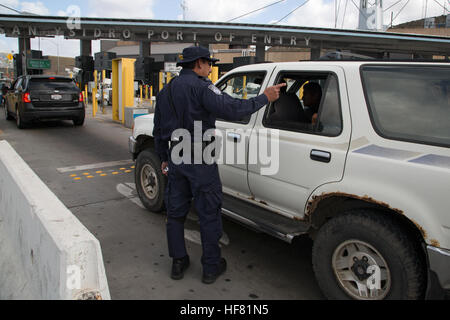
{"x":369,"y":181}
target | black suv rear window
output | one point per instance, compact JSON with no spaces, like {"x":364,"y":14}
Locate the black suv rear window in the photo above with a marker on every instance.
{"x":52,"y":84}
{"x":409,"y":103}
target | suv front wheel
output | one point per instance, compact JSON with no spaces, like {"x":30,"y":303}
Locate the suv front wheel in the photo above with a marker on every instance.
{"x":150,"y":182}
{"x":365,"y":255}
{"x":7,"y":115}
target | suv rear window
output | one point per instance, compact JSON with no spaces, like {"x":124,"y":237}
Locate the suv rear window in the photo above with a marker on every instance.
{"x":52,"y":84}
{"x":409,"y":103}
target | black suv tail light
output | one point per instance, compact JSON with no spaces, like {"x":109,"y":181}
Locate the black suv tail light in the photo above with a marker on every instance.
{"x":26,"y":97}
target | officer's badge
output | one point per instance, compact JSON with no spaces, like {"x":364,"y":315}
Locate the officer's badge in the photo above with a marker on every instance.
{"x":214,"y":89}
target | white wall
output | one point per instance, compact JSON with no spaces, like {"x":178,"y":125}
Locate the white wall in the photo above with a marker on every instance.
{"x":45,"y":252}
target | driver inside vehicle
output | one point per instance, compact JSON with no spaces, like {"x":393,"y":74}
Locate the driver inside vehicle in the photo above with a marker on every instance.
{"x":312,"y":94}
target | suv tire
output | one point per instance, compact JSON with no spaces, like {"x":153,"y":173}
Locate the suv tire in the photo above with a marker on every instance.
{"x":7,"y":115}
{"x":19,"y":122}
{"x":347,"y":244}
{"x":150,"y":182}
{"x":78,"y":122}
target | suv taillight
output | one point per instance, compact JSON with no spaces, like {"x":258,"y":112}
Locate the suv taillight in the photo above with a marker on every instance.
{"x":26,"y":98}
{"x":81,"y":97}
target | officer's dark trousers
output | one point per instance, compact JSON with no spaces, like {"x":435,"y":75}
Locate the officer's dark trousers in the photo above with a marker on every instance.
{"x":202,"y":183}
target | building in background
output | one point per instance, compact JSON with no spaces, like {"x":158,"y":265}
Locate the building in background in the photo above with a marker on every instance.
{"x":434,"y":26}
{"x":59,"y":65}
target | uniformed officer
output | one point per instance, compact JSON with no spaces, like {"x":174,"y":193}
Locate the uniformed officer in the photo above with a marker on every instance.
{"x":193,"y":97}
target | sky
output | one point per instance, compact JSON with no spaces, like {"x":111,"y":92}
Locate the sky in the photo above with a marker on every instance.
{"x":314,"y":13}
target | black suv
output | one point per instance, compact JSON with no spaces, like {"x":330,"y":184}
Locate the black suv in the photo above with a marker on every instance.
{"x":44,"y":97}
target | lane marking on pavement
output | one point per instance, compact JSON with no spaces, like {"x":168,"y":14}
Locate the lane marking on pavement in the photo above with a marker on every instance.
{"x":95,"y":166}
{"x":128,"y":190}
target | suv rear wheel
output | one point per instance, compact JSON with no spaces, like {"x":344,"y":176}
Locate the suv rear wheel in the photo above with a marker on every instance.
{"x":365,"y":255}
{"x":19,"y":122}
{"x":150,"y":182}
{"x":78,"y":122}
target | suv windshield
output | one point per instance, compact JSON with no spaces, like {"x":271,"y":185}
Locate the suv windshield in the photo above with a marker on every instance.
{"x":52,"y":84}
{"x":409,"y":103}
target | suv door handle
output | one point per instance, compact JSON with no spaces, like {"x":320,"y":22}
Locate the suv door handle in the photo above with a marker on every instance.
{"x":319,"y":155}
{"x":236,"y":137}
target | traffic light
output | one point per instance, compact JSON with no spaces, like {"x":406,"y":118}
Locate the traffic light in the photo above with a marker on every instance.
{"x":103,"y":60}
{"x":143,"y":68}
{"x":86,"y":63}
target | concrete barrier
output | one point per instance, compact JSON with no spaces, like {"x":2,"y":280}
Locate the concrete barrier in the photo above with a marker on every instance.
{"x":45,"y":251}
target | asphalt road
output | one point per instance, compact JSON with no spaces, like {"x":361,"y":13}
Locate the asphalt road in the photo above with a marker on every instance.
{"x":133,"y":241}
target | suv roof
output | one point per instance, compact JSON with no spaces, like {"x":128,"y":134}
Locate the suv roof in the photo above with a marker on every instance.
{"x":47,"y":76}
{"x":358,"y":63}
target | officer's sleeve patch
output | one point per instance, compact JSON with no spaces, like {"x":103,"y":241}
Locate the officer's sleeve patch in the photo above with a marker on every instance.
{"x":214,"y":89}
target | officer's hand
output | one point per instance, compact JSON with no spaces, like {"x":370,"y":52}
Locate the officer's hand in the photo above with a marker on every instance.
{"x":165,"y":165}
{"x":273,"y":93}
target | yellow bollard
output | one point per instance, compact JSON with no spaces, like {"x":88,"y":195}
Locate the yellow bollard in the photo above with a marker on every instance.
{"x":146,"y":92}
{"x":214,"y":74}
{"x":168,"y":77}
{"x":151,"y":95}
{"x":85,"y":94}
{"x":244,"y":88}
{"x":140,"y":93}
{"x":94,"y":95}
{"x":161,"y":80}
{"x":103,"y":91}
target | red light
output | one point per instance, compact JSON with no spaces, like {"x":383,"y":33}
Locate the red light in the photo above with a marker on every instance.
{"x":52,"y":78}
{"x":81,"y":97}
{"x":26,"y":98}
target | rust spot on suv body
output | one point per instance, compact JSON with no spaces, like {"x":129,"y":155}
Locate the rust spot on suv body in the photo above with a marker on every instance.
{"x":312,"y":206}
{"x":435,"y":243}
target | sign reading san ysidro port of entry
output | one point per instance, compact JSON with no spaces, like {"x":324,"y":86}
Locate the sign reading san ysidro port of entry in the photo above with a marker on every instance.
{"x":22,"y":26}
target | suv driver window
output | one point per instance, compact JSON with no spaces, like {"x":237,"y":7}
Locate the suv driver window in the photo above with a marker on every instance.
{"x":310,"y":104}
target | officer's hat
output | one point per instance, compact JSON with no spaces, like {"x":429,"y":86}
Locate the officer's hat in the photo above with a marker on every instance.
{"x":194,"y":53}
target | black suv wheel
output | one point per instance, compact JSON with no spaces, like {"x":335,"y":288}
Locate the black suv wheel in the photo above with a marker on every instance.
{"x":19,"y":122}
{"x":78,"y":122}
{"x":7,"y":115}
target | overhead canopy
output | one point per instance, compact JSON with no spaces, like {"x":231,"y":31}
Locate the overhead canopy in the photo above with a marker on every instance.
{"x":22,"y":26}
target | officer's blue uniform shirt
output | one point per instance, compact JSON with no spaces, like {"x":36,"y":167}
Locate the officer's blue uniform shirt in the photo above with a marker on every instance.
{"x":195,"y":98}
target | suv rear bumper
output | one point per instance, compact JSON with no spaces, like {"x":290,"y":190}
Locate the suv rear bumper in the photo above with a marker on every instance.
{"x":30,"y":113}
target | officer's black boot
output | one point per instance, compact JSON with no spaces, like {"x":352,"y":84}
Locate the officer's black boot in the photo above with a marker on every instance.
{"x":209,"y":278}
{"x":178,"y":267}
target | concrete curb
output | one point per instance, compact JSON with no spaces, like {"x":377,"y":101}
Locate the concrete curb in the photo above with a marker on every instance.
{"x":45,"y":251}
